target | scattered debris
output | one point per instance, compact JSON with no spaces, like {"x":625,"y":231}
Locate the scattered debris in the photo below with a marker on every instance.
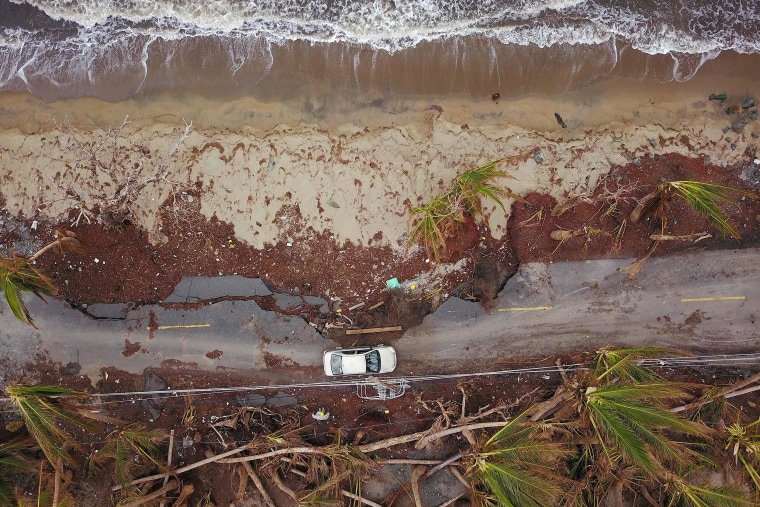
{"x":321,"y":415}
{"x":748,"y":102}
{"x":373,"y":330}
{"x":718,"y":96}
{"x":560,"y":120}
{"x":393,"y":283}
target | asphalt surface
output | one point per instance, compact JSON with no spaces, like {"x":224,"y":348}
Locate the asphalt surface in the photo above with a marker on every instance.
{"x":701,"y":302}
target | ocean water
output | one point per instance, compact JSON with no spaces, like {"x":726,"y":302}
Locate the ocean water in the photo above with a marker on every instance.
{"x":115,"y":49}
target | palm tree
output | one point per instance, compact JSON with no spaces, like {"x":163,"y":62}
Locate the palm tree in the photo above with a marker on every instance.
{"x":517,"y":466}
{"x":123,"y":446}
{"x":45,"y":415}
{"x":442,"y":217}
{"x":626,"y":433}
{"x":18,"y":274}
{"x":705,"y":198}
{"x":472,"y":185}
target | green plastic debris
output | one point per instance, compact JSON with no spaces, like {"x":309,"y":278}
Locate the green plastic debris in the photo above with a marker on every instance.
{"x":393,"y":283}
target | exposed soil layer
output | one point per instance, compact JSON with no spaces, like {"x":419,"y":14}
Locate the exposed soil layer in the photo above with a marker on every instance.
{"x":119,"y":265}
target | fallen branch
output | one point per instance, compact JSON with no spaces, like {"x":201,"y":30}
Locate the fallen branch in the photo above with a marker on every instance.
{"x":373,"y":330}
{"x":168,"y":462}
{"x":278,"y":452}
{"x":352,"y":496}
{"x":441,"y":465}
{"x":159,"y":492}
{"x":178,"y":471}
{"x":453,"y":500}
{"x":545,"y":408}
{"x":460,"y":477}
{"x":243,"y":484}
{"x":281,"y":484}
{"x":418,"y":472}
{"x":724,"y":392}
{"x":187,"y":490}
{"x":259,"y":485}
{"x":697,"y":236}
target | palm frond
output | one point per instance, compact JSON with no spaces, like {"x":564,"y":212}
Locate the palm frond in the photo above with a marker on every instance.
{"x":700,"y":496}
{"x":622,"y":363}
{"x":44,"y":417}
{"x":18,"y":275}
{"x":513,"y":486}
{"x":124,"y":445}
{"x":706,"y":198}
{"x":616,"y":435}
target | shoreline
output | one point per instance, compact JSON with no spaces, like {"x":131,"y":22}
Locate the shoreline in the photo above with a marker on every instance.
{"x":374,"y":159}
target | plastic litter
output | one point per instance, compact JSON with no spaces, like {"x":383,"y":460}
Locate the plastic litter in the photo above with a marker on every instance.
{"x":393,"y":283}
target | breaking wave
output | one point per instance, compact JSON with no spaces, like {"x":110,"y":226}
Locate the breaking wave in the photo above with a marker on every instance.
{"x":113,"y":49}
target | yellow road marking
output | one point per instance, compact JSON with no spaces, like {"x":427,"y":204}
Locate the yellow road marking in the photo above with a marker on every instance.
{"x":184,"y":326}
{"x":525,"y":308}
{"x":722,"y":298}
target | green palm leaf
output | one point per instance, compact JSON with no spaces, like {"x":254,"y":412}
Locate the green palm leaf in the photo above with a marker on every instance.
{"x":706,"y":198}
{"x":44,"y":417}
{"x":16,"y":276}
{"x":622,"y":363}
{"x":518,"y":466}
{"x":13,"y":461}
{"x":123,"y":445}
{"x":698,"y":496}
{"x":617,"y":436}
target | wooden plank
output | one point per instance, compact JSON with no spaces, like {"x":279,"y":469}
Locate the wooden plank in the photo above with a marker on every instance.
{"x":373,"y":330}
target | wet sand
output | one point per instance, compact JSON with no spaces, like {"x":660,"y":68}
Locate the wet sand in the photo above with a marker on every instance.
{"x":352,"y":162}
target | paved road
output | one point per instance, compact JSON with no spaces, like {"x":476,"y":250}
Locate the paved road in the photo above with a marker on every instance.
{"x":700,"y":302}
{"x":705,"y":302}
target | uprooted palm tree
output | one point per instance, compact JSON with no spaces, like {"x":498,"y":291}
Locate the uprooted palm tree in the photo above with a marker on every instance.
{"x":128,"y":447}
{"x":18,"y":274}
{"x":626,"y":435}
{"x":704,"y":198}
{"x":519,"y":465}
{"x":443,"y":216}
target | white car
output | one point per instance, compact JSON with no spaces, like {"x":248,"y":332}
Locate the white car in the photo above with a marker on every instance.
{"x":359,"y":360}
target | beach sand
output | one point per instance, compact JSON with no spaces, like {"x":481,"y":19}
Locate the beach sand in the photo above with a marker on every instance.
{"x":353,"y":164}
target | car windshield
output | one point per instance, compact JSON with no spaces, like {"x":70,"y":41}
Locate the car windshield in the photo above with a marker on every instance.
{"x":373,"y":361}
{"x":336,"y":364}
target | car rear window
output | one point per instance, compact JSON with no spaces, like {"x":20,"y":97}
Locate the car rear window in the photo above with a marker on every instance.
{"x":373,"y":361}
{"x":336,"y":364}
